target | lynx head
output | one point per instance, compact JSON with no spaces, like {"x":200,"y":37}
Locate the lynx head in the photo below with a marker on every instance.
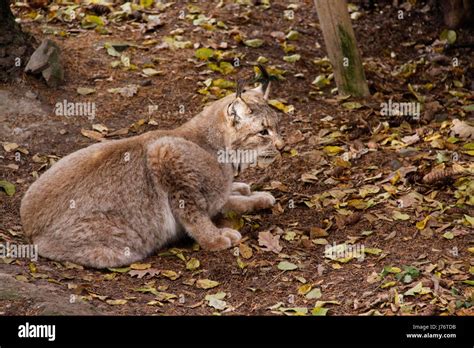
{"x":252,"y":125}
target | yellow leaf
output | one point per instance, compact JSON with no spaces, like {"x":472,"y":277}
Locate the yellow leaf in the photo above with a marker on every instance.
{"x":304,"y":289}
{"x":116,"y":302}
{"x":395,"y":178}
{"x":140,"y":266}
{"x":357,"y":203}
{"x":170,"y":274}
{"x":469,"y":219}
{"x":422,"y":224}
{"x":390,"y":189}
{"x":388,"y":284}
{"x":206,"y":283}
{"x":280,"y":106}
{"x":193,"y":264}
{"x":333,"y":150}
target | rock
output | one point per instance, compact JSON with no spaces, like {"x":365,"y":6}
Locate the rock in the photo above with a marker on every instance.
{"x":45,"y":60}
{"x":44,"y":299}
{"x":395,"y":164}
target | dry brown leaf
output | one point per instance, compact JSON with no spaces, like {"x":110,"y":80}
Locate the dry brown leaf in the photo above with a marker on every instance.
{"x":438,"y":175}
{"x":462,"y":129}
{"x":141,"y":273}
{"x":245,"y":251}
{"x":92,"y":134}
{"x":269,"y":241}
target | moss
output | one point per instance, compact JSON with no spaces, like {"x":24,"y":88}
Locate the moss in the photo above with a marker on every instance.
{"x":351,"y":74}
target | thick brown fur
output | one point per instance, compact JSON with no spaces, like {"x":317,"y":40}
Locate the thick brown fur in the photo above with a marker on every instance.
{"x":116,"y":202}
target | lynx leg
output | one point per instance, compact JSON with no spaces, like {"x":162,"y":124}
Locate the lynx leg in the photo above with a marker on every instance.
{"x":171,"y":163}
{"x":245,"y":204}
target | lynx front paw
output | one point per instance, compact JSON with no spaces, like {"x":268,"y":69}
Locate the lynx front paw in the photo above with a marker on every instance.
{"x":241,"y":188}
{"x":233,"y":235}
{"x":262,"y":200}
{"x":227,"y":238}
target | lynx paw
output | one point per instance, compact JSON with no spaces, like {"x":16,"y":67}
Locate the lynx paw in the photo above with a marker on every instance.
{"x":241,"y":188}
{"x":233,"y":235}
{"x":224,"y":240}
{"x":263,"y":200}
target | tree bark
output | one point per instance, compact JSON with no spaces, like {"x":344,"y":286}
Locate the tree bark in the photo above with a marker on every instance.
{"x":15,"y":45}
{"x":341,"y":47}
{"x":457,"y":12}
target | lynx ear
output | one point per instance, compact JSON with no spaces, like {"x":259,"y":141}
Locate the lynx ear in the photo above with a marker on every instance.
{"x":238,"y":110}
{"x":264,"y":79}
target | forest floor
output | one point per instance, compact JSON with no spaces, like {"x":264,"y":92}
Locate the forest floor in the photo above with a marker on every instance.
{"x":350,"y":178}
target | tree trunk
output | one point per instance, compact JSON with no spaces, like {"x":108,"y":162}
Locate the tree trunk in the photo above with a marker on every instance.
{"x":341,"y":47}
{"x":457,"y":12}
{"x":15,"y":45}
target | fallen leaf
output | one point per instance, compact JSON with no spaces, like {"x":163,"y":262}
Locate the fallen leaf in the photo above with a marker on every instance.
{"x":245,"y":251}
{"x":8,"y":187}
{"x":269,"y":241}
{"x":206,"y":284}
{"x":400,"y":216}
{"x":422,"y":224}
{"x":417,"y":289}
{"x":292,"y":59}
{"x":151,"y":72}
{"x":333,"y":150}
{"x":10,"y":146}
{"x":319,"y":311}
{"x":351,"y":105}
{"x":141,"y":273}
{"x":116,"y":302}
{"x":193,"y":264}
{"x":462,"y":129}
{"x":140,"y":266}
{"x":170,"y":274}
{"x":448,"y":235}
{"x":287,"y":266}
{"x":91,"y":134}
{"x":118,"y":270}
{"x":254,"y":43}
{"x":127,"y":91}
{"x":314,"y":294}
{"x":164,"y":296}
{"x":304,"y":289}
{"x":85,"y":90}
{"x":317,"y":232}
{"x":287,"y":109}
{"x":204,"y":53}
{"x":216,"y":300}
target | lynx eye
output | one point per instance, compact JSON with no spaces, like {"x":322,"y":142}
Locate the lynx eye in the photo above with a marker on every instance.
{"x":264,"y":132}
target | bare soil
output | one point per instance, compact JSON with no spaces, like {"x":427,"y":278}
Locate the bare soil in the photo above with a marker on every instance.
{"x":444,"y":265}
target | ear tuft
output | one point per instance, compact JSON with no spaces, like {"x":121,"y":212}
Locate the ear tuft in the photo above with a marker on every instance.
{"x":240,"y":88}
{"x":264,"y":78}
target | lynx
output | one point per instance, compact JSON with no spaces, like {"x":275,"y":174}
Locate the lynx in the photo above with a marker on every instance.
{"x":116,"y":202}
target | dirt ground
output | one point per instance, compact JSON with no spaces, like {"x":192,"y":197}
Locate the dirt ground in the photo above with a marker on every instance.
{"x":348,"y":175}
